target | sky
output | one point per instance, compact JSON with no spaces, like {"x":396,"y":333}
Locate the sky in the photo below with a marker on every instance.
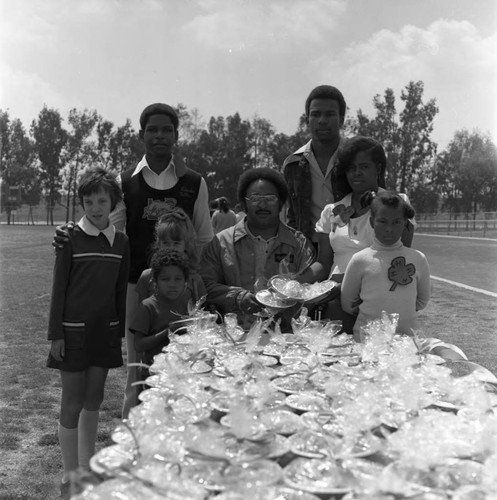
{"x":256,"y":57}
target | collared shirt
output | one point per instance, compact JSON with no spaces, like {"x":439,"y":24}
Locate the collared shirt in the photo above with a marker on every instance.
{"x":262,"y":248}
{"x":109,"y":232}
{"x":320,"y":184}
{"x":166,"y":180}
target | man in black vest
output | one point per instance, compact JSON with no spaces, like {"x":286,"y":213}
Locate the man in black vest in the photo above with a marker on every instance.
{"x":160,"y":182}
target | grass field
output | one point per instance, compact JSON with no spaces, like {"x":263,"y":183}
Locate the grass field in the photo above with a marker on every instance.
{"x":30,"y":465}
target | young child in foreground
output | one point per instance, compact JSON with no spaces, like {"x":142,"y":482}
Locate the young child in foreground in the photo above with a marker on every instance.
{"x":387,"y":276}
{"x":170,"y":270}
{"x":174,"y":230}
{"x":87,"y":316}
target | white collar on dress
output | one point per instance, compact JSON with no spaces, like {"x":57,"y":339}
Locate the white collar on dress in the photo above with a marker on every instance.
{"x":109,"y":232}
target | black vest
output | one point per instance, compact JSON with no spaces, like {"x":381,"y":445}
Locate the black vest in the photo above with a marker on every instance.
{"x":145,"y":205}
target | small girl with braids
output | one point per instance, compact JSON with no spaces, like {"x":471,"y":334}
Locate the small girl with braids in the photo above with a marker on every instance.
{"x":387,"y":276}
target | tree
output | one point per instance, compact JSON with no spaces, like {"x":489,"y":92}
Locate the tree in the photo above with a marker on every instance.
{"x":222,"y":154}
{"x":283,"y":145}
{"x":468,"y":172}
{"x":49,"y":138}
{"x":125,"y":148}
{"x":191,"y":124}
{"x":416,"y":125}
{"x":79,"y":151}
{"x":31,"y":192}
{"x":444,"y":181}
{"x":406,"y":137}
{"x":262,"y":137}
{"x":102,"y":149}
{"x":17,"y":168}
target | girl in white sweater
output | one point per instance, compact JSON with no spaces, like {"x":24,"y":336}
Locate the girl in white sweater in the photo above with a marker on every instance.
{"x":387,"y":276}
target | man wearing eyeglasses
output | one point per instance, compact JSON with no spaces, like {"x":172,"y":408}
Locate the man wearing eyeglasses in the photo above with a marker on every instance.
{"x":308,"y":171}
{"x":239,"y":260}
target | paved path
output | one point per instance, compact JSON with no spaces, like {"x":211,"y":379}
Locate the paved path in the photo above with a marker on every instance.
{"x":470,"y":261}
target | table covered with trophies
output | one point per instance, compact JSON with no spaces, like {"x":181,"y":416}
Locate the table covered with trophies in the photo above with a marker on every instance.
{"x":228,"y":414}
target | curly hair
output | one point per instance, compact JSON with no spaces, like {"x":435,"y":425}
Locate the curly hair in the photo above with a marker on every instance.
{"x":175,"y":225}
{"x":345,"y":157}
{"x":168,"y":257}
{"x":97,"y":178}
{"x":262,"y":174}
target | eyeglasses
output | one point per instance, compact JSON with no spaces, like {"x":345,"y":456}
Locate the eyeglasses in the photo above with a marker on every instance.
{"x":270,"y":199}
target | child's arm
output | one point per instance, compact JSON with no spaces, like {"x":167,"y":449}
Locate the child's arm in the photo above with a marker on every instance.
{"x":350,"y":294}
{"x":141,"y":327}
{"x":122,"y":288}
{"x":62,"y":270}
{"x":58,"y":349}
{"x":145,"y":342}
{"x":424,"y":285}
{"x":143,"y":285}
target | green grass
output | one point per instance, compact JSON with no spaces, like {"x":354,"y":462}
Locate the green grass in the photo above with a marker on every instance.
{"x":30,"y":465}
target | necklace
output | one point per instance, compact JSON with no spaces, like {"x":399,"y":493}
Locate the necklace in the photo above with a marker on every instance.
{"x":355,"y":230}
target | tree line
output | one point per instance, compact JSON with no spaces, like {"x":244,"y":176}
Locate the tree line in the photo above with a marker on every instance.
{"x":44,"y":163}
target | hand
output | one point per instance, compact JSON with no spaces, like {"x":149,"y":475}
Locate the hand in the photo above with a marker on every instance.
{"x":61,"y":235}
{"x":249,"y":304}
{"x":58,"y":349}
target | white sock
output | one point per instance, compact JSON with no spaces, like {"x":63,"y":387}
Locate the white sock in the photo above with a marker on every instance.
{"x":87,"y":435}
{"x":68,"y":440}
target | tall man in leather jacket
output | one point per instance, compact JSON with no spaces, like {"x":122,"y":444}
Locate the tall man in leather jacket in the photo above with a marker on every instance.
{"x":308,"y":171}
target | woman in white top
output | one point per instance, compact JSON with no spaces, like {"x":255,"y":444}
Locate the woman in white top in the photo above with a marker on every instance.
{"x":344,"y":228}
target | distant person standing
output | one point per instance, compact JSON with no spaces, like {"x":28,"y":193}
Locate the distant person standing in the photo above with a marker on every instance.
{"x":223,"y":217}
{"x":308,"y":171}
{"x":87,"y":317}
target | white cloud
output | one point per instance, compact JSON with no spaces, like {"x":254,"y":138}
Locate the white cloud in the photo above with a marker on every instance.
{"x":21,"y":93}
{"x":21,"y":24}
{"x":260,"y":25}
{"x":457,"y":65}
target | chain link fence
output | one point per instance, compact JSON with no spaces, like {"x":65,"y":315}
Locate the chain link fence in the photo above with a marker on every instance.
{"x":25,"y":215}
{"x":476,"y":224}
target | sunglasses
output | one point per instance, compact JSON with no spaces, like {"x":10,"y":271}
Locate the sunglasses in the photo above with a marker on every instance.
{"x":270,"y":199}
